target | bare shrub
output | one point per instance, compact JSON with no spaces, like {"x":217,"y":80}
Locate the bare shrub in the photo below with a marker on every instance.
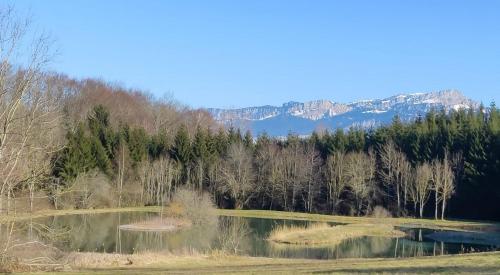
{"x":195,"y":206}
{"x":131,"y":195}
{"x":380,"y":212}
{"x":88,"y":190}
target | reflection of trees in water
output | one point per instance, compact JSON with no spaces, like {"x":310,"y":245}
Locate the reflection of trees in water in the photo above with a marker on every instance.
{"x":196,"y":238}
{"x":100,"y":232}
{"x":233,"y":235}
{"x":412,"y":249}
{"x":88,"y":232}
{"x":351,"y":248}
{"x":379,"y":246}
{"x":354,"y":248}
{"x":29,"y":242}
{"x":365,"y":247}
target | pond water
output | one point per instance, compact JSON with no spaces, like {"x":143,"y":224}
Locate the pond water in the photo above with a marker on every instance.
{"x":246,"y":236}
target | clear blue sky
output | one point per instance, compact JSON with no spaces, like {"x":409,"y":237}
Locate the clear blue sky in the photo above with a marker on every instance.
{"x":243,"y":53}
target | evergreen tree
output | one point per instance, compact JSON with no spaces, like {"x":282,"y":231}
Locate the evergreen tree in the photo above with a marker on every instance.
{"x":182,"y":146}
{"x":99,"y":126}
{"x":200,"y":150}
{"x":248,"y":140}
{"x":137,"y":145}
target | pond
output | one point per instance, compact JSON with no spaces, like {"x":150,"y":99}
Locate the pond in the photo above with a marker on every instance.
{"x":246,"y":236}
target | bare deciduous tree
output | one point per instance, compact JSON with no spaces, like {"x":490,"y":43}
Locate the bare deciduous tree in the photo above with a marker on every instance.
{"x":122,"y":155}
{"x":421,"y":186}
{"x":443,"y":183}
{"x":29,"y":106}
{"x":394,"y":172}
{"x":158,"y":179}
{"x":237,"y":175}
{"x":268,"y":172}
{"x":311,"y":188}
{"x":360,"y":172}
{"x":335,"y":175}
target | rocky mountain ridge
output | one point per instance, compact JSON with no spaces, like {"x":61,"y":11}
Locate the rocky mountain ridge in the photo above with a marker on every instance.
{"x":304,"y":117}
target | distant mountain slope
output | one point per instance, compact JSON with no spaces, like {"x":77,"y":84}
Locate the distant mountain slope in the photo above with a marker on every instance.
{"x":304,"y":118}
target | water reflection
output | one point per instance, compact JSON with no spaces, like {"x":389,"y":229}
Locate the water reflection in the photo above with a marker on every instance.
{"x":101,"y":233}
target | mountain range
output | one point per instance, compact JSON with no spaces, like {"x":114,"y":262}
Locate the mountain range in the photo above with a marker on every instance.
{"x":303,"y":118}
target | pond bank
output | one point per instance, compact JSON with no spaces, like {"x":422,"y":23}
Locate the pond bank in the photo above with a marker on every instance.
{"x":403,"y":222}
{"x":212,"y":264}
{"x":272,"y":214}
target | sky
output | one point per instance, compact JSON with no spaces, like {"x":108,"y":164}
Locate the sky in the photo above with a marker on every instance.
{"x":246,"y":53}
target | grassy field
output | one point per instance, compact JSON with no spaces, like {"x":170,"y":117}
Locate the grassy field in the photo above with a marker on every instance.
{"x":215,"y":264}
{"x":480,"y":263}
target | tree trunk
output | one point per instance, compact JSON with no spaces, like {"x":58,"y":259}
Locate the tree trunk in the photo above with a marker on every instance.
{"x":1,"y":200}
{"x":8,"y":200}
{"x":405,"y":190}
{"x":443,"y":208}
{"x":238,"y":204}
{"x":436,"y":205}
{"x":31,"y":197}
{"x":399,"y":199}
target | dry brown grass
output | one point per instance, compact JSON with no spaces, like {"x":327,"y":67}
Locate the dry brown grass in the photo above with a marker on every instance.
{"x":158,"y":224}
{"x":79,"y":260}
{"x":324,"y":234}
{"x":153,"y":263}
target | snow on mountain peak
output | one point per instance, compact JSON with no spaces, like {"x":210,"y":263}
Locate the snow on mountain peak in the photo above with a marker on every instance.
{"x":304,"y":117}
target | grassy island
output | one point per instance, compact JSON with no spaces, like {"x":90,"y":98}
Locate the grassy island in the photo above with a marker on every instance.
{"x":324,"y":234}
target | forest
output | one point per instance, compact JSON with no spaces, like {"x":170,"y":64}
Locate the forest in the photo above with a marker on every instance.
{"x":439,"y":165}
{"x":93,"y":144}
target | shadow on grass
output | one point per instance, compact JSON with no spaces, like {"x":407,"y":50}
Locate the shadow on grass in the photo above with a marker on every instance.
{"x":265,"y":269}
{"x":413,"y":270}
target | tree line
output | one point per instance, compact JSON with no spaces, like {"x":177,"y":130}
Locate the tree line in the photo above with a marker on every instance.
{"x":440,"y":164}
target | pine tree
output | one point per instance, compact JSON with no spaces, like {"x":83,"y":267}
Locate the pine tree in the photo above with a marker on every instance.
{"x":99,"y":126}
{"x":182,"y":146}
{"x":200,"y":150}
{"x":248,"y":140}
{"x":137,"y":145}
